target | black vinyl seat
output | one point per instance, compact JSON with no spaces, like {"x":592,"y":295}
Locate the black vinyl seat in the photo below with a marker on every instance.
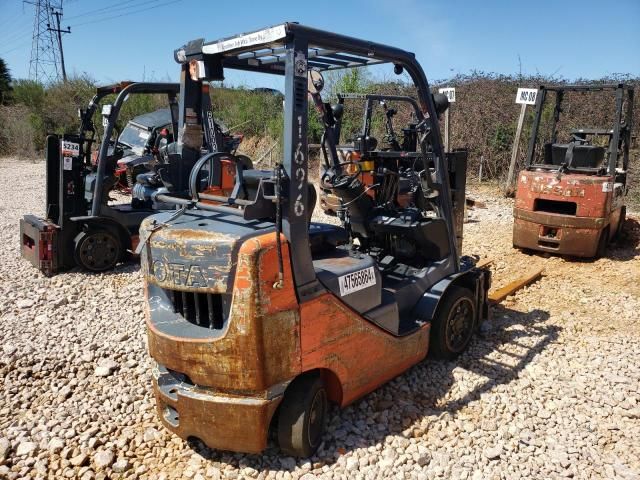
{"x":324,"y":237}
{"x":580,"y":156}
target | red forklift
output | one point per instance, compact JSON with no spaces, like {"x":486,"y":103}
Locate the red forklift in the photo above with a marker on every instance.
{"x":570,"y":197}
{"x":257,"y":317}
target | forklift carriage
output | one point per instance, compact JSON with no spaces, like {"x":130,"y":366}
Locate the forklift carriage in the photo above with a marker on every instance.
{"x":257,"y":317}
{"x":570,"y":198}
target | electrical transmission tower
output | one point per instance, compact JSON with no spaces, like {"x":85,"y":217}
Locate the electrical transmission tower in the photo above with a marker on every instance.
{"x":47,"y":59}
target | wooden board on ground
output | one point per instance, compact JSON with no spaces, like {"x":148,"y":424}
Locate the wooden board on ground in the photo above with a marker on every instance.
{"x":485,"y":262}
{"x":500,"y":294}
{"x":473,"y":203}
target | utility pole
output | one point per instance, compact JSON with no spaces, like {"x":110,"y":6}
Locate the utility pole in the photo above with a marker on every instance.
{"x":58,"y":14}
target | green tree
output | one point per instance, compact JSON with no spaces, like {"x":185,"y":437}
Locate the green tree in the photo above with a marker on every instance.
{"x":5,"y":80}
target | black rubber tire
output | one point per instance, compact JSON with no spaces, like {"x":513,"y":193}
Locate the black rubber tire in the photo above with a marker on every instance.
{"x":623,"y":216}
{"x":454,"y":323}
{"x":603,"y":242}
{"x":312,"y":199}
{"x":302,"y":415}
{"x":107,"y":245}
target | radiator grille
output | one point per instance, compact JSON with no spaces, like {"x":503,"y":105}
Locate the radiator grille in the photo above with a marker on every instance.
{"x":202,"y":309}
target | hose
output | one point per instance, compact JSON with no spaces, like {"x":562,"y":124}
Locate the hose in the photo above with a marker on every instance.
{"x":280,"y":282}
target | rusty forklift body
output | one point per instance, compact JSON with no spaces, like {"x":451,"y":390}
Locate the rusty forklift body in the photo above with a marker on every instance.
{"x":570,"y":198}
{"x":257,"y":317}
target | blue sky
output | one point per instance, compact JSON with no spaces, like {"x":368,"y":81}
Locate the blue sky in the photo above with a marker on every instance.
{"x":572,"y":39}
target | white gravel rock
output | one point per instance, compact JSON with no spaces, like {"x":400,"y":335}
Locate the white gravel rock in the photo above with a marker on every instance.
{"x":103,"y":459}
{"x":551,"y":381}
{"x":25,"y":448}
{"x":5,"y":447}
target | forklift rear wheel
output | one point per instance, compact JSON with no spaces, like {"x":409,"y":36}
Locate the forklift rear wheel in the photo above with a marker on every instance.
{"x":623,"y":217}
{"x":454,"y":323}
{"x":603,"y":242}
{"x":301,"y":418}
{"x":97,"y":250}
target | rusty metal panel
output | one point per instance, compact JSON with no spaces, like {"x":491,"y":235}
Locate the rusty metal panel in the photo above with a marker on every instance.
{"x":224,"y":422}
{"x":591,"y":193}
{"x":597,"y":201}
{"x":260,"y":344}
{"x":361,"y":355}
{"x":579,"y":242}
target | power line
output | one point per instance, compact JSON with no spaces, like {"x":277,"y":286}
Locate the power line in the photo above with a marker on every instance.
{"x":15,"y":48}
{"x":125,"y":14}
{"x":115,"y":6}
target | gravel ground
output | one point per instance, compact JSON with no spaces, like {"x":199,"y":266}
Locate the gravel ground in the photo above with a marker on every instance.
{"x":549,"y":389}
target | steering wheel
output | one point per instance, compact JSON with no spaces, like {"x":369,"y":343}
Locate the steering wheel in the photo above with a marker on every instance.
{"x":194,"y":177}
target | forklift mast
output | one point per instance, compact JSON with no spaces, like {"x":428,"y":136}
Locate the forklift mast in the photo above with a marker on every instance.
{"x":619,"y":134}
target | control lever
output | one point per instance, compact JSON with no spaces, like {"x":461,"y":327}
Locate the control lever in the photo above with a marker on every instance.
{"x":429,"y":188}
{"x":315,"y":85}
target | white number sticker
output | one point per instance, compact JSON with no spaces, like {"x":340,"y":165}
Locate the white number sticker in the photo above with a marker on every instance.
{"x":450,"y":92}
{"x":527,"y":96}
{"x":353,"y":282}
{"x":607,"y":187}
{"x":70,"y":148}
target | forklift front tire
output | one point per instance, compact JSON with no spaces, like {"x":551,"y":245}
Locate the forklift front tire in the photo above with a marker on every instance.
{"x":97,"y":250}
{"x":302,"y":415}
{"x":454,"y":323}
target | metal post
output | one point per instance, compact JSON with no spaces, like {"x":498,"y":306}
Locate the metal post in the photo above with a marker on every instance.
{"x":64,"y":71}
{"x":446,"y":129}
{"x":294,"y":221}
{"x":60,"y":32}
{"x":516,"y":144}
{"x":481,"y":168}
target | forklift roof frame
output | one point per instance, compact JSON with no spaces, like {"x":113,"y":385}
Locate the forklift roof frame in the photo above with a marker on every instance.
{"x":292,"y":49}
{"x":622,"y":126}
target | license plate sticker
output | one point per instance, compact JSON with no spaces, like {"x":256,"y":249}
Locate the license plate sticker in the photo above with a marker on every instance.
{"x":353,"y":282}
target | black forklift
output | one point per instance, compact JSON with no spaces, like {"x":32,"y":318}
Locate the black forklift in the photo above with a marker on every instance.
{"x":81,"y":227}
{"x":258,"y":316}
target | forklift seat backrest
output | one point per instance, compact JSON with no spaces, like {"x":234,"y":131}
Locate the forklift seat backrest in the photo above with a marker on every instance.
{"x":584,"y":156}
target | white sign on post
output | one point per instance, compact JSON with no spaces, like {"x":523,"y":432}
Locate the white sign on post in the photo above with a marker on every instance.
{"x":524,"y":97}
{"x":450,"y":92}
{"x":527,"y":96}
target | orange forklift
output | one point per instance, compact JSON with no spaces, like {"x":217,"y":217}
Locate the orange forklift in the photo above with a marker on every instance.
{"x":570,"y":197}
{"x":257,"y":317}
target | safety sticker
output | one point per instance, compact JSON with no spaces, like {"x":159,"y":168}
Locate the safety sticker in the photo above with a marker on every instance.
{"x":353,"y":282}
{"x":300,"y":65}
{"x":70,"y":148}
{"x":67,"y":163}
{"x":244,"y":41}
{"x":607,"y":187}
